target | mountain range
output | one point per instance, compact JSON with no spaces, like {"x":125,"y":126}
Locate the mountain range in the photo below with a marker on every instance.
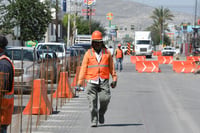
{"x":126,"y":13}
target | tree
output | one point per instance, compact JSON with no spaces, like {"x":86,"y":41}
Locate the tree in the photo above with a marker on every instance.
{"x":82,"y":25}
{"x":32,"y":16}
{"x":160,"y":17}
{"x":3,"y":20}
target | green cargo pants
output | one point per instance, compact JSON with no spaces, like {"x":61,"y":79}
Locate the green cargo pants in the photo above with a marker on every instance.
{"x":98,"y":91}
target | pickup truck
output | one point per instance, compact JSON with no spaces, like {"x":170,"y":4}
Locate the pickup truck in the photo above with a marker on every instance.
{"x":168,"y":51}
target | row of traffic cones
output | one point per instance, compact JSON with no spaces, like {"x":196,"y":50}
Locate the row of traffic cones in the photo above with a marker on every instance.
{"x":39,"y":101}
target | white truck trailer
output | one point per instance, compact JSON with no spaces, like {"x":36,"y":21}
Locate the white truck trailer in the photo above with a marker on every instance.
{"x":143,"y":43}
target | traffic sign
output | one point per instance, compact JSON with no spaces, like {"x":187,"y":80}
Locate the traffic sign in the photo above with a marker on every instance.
{"x":31,"y":43}
{"x":109,"y":16}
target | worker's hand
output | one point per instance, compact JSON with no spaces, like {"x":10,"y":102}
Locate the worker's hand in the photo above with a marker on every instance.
{"x":79,"y":88}
{"x":113,"y":84}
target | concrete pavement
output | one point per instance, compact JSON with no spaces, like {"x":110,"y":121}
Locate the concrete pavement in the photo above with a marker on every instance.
{"x":141,"y":103}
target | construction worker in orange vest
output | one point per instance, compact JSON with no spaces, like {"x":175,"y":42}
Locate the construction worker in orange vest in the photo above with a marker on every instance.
{"x":6,"y":87}
{"x":97,"y":65}
{"x":119,"y":57}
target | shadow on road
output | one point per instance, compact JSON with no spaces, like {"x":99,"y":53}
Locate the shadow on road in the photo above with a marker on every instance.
{"x":119,"y":125}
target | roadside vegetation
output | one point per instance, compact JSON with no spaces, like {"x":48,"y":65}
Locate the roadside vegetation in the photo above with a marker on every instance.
{"x":160,"y":17}
{"x":30,"y":17}
{"x":82,"y":25}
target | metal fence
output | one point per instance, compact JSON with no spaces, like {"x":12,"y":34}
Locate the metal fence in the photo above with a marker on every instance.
{"x":51,"y":86}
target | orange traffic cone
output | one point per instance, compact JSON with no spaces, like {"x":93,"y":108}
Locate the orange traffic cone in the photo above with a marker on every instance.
{"x":63,"y":89}
{"x":75,"y":80}
{"x":40,"y":102}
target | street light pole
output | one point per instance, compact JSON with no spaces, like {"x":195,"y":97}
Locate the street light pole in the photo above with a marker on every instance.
{"x":56,"y":20}
{"x":195,"y":30}
{"x":68,"y":25}
{"x":195,"y":15}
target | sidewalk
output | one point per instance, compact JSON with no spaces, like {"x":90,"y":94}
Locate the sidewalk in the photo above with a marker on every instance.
{"x":74,"y":116}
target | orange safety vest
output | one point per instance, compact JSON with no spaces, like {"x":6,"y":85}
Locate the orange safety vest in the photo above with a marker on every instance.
{"x":119,"y":53}
{"x":98,"y":69}
{"x":7,"y":102}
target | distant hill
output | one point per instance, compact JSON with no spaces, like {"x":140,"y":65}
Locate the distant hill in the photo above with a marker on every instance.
{"x":127,"y":13}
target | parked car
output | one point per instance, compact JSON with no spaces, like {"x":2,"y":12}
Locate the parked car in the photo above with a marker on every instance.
{"x":80,"y":49}
{"x":168,"y":51}
{"x":27,"y":66}
{"x":73,"y":60}
{"x":49,"y":65}
{"x":58,"y":48}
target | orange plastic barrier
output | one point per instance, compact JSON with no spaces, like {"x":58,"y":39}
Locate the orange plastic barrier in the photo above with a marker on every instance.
{"x":40,"y":102}
{"x":157,"y":53}
{"x":63,"y":89}
{"x":147,"y":66}
{"x":184,"y":66}
{"x":193,"y":58}
{"x":165,"y":59}
{"x":137,"y":58}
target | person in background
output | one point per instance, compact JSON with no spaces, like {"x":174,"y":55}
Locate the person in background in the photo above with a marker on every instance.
{"x":119,"y":58}
{"x":96,"y":68}
{"x":6,"y":87}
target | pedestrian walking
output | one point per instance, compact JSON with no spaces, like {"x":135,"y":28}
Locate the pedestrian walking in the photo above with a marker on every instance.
{"x":6,"y":86}
{"x":119,"y":58}
{"x":97,"y":65}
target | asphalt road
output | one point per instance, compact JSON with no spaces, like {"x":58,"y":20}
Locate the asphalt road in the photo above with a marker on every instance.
{"x":165,"y":102}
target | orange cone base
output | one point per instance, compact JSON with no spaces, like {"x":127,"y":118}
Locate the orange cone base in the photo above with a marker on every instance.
{"x":63,"y":89}
{"x":40,"y":106}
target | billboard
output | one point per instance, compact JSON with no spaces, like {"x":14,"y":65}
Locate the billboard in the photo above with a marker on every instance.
{"x":89,"y":2}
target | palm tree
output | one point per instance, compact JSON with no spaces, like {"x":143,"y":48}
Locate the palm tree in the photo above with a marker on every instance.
{"x":160,"y":17}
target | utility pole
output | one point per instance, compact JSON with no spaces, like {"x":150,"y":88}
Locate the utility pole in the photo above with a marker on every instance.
{"x":195,"y":14}
{"x":87,"y":11}
{"x":195,"y":29}
{"x":68,"y":26}
{"x":56,"y":20}
{"x":90,"y":30}
{"x":75,"y":15}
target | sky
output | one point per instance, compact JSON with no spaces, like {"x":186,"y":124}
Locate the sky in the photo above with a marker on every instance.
{"x":186,"y":6}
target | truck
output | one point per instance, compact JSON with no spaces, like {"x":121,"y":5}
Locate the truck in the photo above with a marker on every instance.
{"x":143,"y":43}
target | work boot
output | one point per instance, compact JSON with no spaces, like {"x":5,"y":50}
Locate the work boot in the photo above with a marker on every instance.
{"x":94,"y":124}
{"x":101,"y":119}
